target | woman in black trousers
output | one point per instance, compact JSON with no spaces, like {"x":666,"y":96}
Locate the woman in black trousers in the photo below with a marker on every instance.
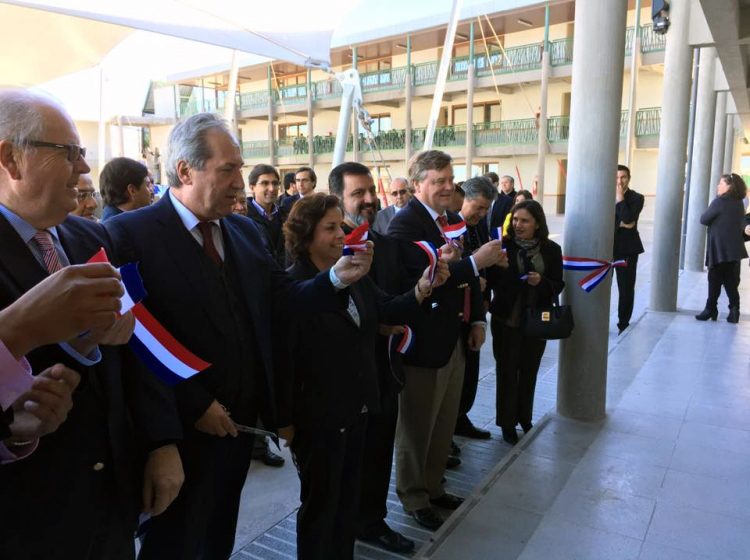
{"x":327,"y":380}
{"x":725,"y":218}
{"x":533,"y":278}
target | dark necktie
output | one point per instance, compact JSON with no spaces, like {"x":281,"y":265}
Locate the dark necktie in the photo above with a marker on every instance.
{"x":208,"y":242}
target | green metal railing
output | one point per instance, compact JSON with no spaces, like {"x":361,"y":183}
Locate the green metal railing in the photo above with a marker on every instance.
{"x":255,"y":149}
{"x":255,"y":99}
{"x":558,"y":128}
{"x":650,"y":41}
{"x":648,"y":122}
{"x":561,"y":51}
{"x":503,"y":133}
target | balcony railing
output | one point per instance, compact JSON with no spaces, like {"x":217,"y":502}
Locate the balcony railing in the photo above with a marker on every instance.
{"x":650,"y":41}
{"x":255,"y":149}
{"x":648,"y":122}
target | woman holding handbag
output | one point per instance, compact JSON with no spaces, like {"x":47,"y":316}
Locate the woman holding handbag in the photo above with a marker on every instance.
{"x":533,"y":279}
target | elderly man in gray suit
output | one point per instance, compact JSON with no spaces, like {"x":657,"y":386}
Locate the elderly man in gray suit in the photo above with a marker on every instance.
{"x":400,"y":195}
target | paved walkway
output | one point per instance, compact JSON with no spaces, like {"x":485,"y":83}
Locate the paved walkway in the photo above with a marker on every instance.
{"x":494,"y":473}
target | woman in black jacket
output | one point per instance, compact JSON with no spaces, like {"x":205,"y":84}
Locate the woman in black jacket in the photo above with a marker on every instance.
{"x":725,"y":218}
{"x":533,"y":278}
{"x":328,"y":380}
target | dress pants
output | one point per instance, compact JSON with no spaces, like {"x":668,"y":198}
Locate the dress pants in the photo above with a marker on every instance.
{"x":725,"y":274}
{"x":376,"y":468}
{"x":428,"y":407}
{"x":517,"y":358}
{"x":626,"y":288}
{"x":471,"y":381}
{"x":201,"y":522}
{"x":329,"y":464}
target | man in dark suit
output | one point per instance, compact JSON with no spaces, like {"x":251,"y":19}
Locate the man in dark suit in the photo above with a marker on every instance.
{"x":306,"y":180}
{"x":400,"y":195}
{"x":215,"y":287}
{"x":263,"y":210}
{"x":499,"y":209}
{"x":428,"y":405}
{"x":479,"y":194}
{"x":627,"y":244}
{"x":76,"y":495}
{"x":354,"y":185}
{"x":507,"y":186}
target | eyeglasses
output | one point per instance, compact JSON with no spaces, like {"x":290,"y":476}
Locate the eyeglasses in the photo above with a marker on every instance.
{"x":266,"y":183}
{"x":84,"y":195}
{"x":74,"y":151}
{"x":402,"y":192}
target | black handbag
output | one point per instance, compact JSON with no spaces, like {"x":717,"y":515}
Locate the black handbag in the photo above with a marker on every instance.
{"x":549,"y":322}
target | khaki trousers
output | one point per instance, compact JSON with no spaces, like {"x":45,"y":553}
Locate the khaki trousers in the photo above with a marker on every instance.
{"x":428,"y":407}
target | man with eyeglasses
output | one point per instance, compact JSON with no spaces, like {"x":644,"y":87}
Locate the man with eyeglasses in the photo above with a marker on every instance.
{"x":400,"y":194}
{"x":76,"y":496}
{"x":86,"y":198}
{"x":263,"y":210}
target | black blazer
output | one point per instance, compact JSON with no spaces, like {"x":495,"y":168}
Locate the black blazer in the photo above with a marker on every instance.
{"x":475,"y":237}
{"x":628,"y":241}
{"x":725,"y":218}
{"x":500,"y":209}
{"x":285,"y":206}
{"x":272,"y":231}
{"x":383,"y":219}
{"x":435,"y":333}
{"x":510,"y":286}
{"x":118,"y":413}
{"x":331,"y":361}
{"x":178,"y":298}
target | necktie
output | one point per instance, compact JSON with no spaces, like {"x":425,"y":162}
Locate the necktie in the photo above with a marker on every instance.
{"x":208,"y":242}
{"x":51,"y":259}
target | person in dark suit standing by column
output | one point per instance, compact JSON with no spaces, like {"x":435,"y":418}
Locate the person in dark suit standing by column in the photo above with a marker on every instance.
{"x":627,"y":244}
{"x":212,"y":284}
{"x":428,"y":405}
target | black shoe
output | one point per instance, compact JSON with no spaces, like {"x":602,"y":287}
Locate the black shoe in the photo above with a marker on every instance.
{"x":734,"y":315}
{"x":427,"y":518}
{"x":455,"y":449}
{"x":709,"y":313}
{"x":390,"y":540}
{"x":471,"y":431}
{"x":452,"y":462}
{"x":510,"y":435}
{"x":526,"y":427}
{"x":447,"y":501}
{"x":268,"y":457}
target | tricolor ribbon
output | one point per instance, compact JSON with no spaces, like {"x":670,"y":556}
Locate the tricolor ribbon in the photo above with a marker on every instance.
{"x":151,"y":342}
{"x":356,"y":241}
{"x":496,"y":233}
{"x":600,"y":269}
{"x":405,"y":343}
{"x":454,"y":231}
{"x":433,"y":254}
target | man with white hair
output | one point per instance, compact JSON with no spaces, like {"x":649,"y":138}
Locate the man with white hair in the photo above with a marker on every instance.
{"x":400,"y":195}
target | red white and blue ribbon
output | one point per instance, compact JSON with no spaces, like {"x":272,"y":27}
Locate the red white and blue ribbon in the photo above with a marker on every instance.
{"x":405,"y":343}
{"x":496,"y":233}
{"x":600,"y":269}
{"x":433,"y":254}
{"x":454,"y":231}
{"x":151,"y":342}
{"x":356,"y":241}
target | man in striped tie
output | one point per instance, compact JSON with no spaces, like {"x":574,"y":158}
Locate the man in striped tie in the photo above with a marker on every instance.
{"x":76,"y":495}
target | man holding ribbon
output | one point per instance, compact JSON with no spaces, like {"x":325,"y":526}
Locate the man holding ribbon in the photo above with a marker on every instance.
{"x":214,"y":286}
{"x":428,"y":405}
{"x":76,"y":495}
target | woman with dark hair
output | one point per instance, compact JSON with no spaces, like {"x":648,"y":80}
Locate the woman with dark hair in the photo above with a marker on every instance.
{"x":125,"y":185}
{"x":725,"y":218}
{"x":327,"y":373}
{"x":533,"y":278}
{"x":523,"y":195}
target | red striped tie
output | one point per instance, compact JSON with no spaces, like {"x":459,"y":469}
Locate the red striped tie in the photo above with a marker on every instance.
{"x":52,"y":262}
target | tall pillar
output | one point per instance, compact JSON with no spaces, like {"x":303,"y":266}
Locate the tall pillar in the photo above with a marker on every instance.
{"x":355,"y":117}
{"x":543,"y":145}
{"x":700,"y":174}
{"x":729,"y":144}
{"x":717,"y":156}
{"x":635,"y":63}
{"x":670,"y":181}
{"x":598,"y":53}
{"x":408,"y":84}
{"x":271,"y":118}
{"x":310,"y":132}
{"x":470,"y":105}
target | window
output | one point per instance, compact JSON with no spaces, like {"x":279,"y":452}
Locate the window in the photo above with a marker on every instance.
{"x":375,"y":73}
{"x":292,"y":86}
{"x":292,"y":130}
{"x":483,"y":113}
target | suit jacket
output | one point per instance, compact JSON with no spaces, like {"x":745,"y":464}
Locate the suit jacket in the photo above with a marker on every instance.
{"x":500,"y":209}
{"x":176,"y":283}
{"x":383,"y":219}
{"x":510,"y":287}
{"x":436,"y":332}
{"x":272,"y":231}
{"x":628,"y":241}
{"x":725,"y":218}
{"x":57,"y":491}
{"x":331,"y":387}
{"x":110,"y":211}
{"x":475,"y":237}
{"x":285,"y":206}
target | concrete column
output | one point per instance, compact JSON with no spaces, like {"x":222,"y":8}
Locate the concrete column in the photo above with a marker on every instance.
{"x":670,"y":181}
{"x":355,"y":120}
{"x":408,"y":84}
{"x":469,"y":118}
{"x":271,"y":119}
{"x":543,"y":145}
{"x":729,"y":145}
{"x":700,"y":174}
{"x":598,"y":58}
{"x":310,"y":131}
{"x":720,"y":130}
{"x":635,"y":63}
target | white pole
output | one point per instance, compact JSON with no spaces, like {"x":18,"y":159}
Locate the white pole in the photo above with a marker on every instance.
{"x":230,"y":106}
{"x":635,"y":59}
{"x":445,"y":61}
